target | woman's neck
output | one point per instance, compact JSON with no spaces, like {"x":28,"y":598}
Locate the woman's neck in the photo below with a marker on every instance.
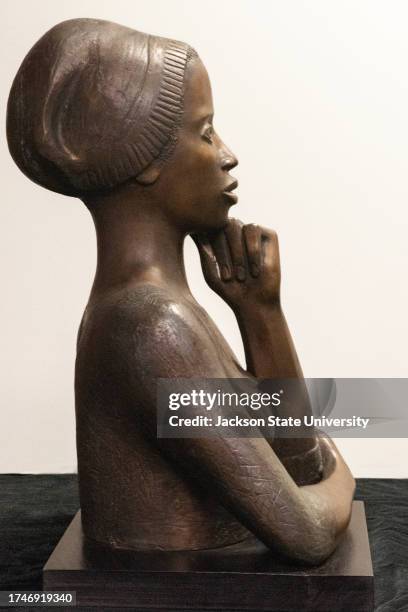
{"x":136,"y":243}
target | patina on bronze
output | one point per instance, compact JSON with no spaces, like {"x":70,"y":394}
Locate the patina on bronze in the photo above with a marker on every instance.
{"x":124,"y":121}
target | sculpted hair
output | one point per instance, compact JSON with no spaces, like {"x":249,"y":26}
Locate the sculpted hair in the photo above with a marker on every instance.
{"x":94,"y":104}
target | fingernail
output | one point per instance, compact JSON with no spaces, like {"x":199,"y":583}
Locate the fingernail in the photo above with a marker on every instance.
{"x":240,"y":272}
{"x":254,"y":270}
{"x":225,"y":272}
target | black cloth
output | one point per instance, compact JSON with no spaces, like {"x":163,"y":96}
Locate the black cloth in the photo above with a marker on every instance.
{"x":35,"y":510}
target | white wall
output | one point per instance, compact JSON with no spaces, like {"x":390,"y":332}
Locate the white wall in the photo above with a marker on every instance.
{"x":313,"y":98}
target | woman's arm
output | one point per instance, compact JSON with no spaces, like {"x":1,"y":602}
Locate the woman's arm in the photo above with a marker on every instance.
{"x":302,"y":523}
{"x":242,"y":265}
{"x":245,"y":474}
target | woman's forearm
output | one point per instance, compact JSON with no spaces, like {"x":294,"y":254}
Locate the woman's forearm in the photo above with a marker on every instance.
{"x":269,"y":349}
{"x":270,"y":353}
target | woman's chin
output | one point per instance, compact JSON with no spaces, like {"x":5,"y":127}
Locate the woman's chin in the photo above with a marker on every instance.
{"x":217,"y":224}
{"x":211,"y":220}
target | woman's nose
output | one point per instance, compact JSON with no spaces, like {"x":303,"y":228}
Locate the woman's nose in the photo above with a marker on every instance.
{"x":228,"y":159}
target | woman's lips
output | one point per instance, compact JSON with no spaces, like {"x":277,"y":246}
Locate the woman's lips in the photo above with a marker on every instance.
{"x":232,"y":198}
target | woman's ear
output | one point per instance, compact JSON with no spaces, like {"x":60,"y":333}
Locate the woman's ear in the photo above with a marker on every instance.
{"x":149,"y":175}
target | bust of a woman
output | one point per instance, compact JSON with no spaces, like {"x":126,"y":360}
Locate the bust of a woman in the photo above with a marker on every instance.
{"x":124,"y":121}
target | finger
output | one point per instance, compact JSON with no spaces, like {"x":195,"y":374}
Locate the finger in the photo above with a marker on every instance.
{"x":233,"y":232}
{"x":221,"y":251}
{"x":270,"y":249}
{"x":252,"y":240}
{"x":208,"y":260}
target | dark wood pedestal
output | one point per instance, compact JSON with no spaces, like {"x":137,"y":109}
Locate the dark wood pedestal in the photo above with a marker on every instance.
{"x":245,"y":576}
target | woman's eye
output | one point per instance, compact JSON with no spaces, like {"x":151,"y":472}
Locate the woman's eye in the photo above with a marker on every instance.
{"x":209,"y":133}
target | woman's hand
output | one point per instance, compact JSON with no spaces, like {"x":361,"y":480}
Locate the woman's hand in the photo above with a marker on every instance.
{"x":241,"y":264}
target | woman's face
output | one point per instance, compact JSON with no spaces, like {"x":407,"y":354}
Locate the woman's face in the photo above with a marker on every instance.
{"x":195,"y":181}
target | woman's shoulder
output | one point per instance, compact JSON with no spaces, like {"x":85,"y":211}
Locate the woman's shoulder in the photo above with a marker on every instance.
{"x":145,"y":303}
{"x":144,"y":308}
{"x":148,"y":326}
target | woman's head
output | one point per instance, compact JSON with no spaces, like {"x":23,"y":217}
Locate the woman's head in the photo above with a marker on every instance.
{"x":95,"y":104}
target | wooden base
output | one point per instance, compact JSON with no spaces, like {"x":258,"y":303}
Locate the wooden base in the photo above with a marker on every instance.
{"x":245,"y":576}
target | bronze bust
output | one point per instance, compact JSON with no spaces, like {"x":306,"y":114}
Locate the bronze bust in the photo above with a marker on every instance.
{"x":124,"y":121}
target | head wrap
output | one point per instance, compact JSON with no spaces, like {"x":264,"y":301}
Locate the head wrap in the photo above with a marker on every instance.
{"x":94,"y":103}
